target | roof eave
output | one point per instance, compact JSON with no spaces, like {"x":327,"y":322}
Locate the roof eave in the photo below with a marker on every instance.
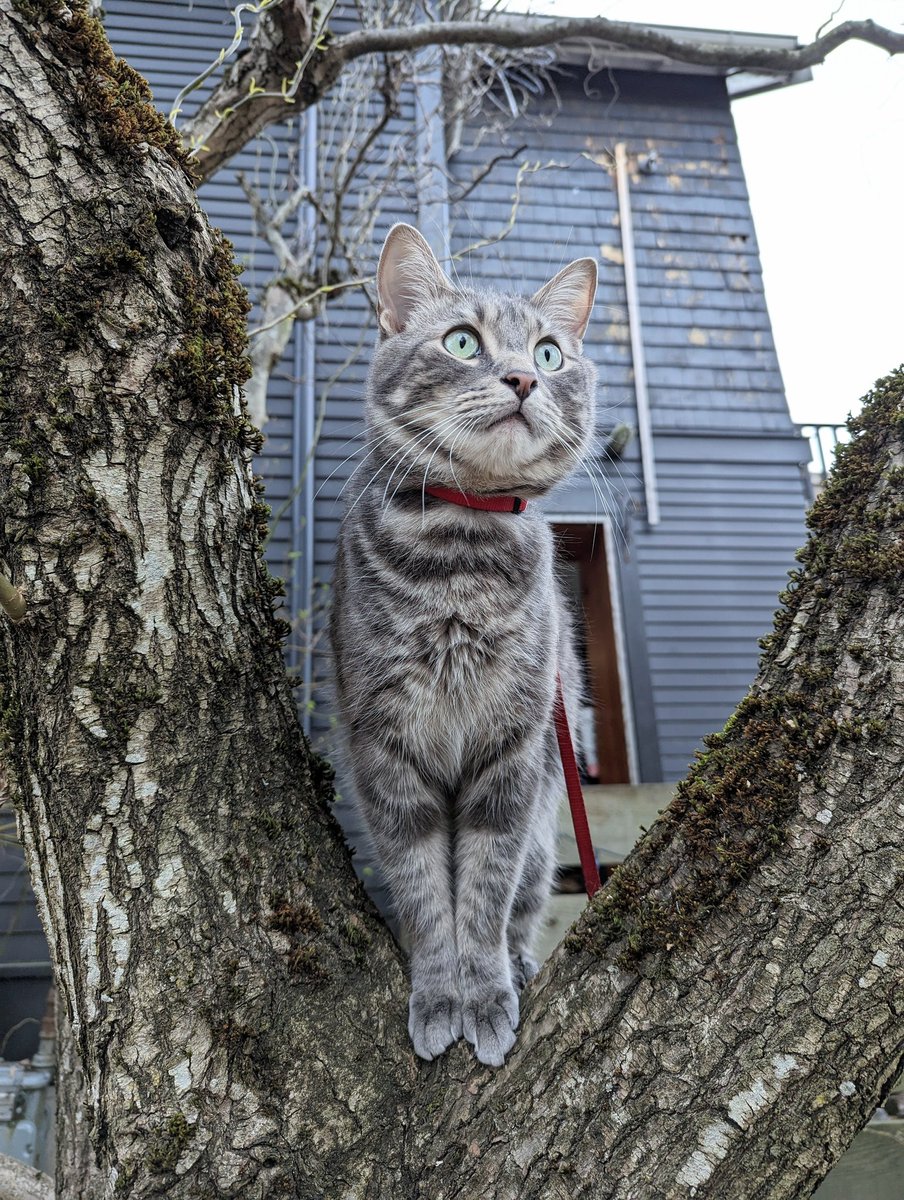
{"x":739,"y":83}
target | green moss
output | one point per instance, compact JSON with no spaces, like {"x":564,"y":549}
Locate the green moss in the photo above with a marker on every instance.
{"x":125,"y":1177}
{"x":211,"y":362}
{"x":307,"y":961}
{"x":734,"y":808}
{"x":112,"y":96}
{"x":356,"y":933}
{"x":40,"y":10}
{"x":12,"y":726}
{"x":358,"y":938}
{"x":857,"y":531}
{"x":302,"y":924}
{"x":295,"y":918}
{"x":168,"y":1144}
{"x":35,"y":468}
{"x":729,"y":814}
{"x":121,"y":691}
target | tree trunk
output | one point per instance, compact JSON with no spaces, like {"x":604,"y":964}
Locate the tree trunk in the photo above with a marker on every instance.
{"x":217,"y":964}
{"x":720,"y":1022}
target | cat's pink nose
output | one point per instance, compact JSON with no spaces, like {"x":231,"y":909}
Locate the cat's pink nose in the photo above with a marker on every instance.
{"x":522,"y":382}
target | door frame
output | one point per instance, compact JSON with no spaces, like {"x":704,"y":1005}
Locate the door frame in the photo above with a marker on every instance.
{"x":613,"y":576}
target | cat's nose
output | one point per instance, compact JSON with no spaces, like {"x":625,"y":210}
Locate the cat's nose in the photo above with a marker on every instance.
{"x":521,"y":382}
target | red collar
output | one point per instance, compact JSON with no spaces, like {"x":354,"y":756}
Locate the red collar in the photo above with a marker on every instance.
{"x":509,"y":504}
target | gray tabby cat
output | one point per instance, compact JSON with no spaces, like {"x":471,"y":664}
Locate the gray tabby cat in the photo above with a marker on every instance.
{"x":448,"y":627}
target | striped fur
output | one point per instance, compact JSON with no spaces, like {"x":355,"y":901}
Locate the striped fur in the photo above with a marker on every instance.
{"x":448,"y":628}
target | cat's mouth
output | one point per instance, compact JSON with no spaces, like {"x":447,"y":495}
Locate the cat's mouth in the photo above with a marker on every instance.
{"x":512,"y":420}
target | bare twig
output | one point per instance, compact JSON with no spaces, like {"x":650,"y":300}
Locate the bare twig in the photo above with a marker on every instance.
{"x":226,"y":53}
{"x":829,"y":19}
{"x":483,"y":172}
{"x":325,"y":289}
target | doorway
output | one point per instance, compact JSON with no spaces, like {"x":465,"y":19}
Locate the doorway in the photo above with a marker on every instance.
{"x":583,"y":556}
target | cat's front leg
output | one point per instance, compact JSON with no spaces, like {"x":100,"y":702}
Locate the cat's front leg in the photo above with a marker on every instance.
{"x":535,"y":882}
{"x":409,"y":822}
{"x":423,"y":896}
{"x":494,"y":823}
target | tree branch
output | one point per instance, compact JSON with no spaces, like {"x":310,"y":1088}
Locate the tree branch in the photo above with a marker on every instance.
{"x":11,"y":600}
{"x":728,"y":1011}
{"x":521,"y":33}
{"x":251,"y":94}
{"x":20,"y":1182}
{"x":286,"y":35}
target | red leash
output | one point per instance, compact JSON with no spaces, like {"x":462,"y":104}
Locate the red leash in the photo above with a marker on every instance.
{"x":575,"y":795}
{"x":512,"y":504}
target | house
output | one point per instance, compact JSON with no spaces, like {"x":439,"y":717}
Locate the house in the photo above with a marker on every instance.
{"x":679,"y":537}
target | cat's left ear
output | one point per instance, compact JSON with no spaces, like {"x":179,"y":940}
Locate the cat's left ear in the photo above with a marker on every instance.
{"x":568,"y":297}
{"x":407,"y":278}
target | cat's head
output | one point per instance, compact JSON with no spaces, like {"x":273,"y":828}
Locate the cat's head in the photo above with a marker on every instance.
{"x":476,"y":389}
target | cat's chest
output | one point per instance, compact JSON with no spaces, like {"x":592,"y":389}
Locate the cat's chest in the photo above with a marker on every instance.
{"x":454,"y":644}
{"x":483,"y":646}
{"x":462,"y":676}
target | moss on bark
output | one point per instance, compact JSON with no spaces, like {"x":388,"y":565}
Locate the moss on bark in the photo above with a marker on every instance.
{"x":733,"y":810}
{"x":112,"y":96}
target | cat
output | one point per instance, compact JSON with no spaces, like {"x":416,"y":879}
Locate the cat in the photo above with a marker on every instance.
{"x":448,"y":627}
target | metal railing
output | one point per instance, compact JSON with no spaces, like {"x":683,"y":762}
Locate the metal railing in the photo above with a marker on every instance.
{"x":823,"y":440}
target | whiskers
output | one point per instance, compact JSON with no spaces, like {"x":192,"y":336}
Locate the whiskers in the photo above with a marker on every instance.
{"x":422,"y":442}
{"x":603,"y":495}
{"x":466,"y":426}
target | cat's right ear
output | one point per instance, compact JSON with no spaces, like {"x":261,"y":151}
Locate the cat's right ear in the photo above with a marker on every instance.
{"x":408,"y":277}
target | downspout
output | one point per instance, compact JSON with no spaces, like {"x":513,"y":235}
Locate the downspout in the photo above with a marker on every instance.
{"x":644,"y":426}
{"x":432,"y":183}
{"x":303,"y":453}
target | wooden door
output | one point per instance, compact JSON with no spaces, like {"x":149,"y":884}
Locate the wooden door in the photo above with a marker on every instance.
{"x":582,"y":548}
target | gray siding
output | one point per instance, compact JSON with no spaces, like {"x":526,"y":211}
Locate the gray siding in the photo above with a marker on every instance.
{"x":24,"y":958}
{"x":732,"y":518}
{"x":709,"y":350}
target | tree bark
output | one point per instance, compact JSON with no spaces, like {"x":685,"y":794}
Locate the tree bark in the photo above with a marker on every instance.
{"x":217,"y":964}
{"x":720,"y":1022}
{"x":18,"y":1182}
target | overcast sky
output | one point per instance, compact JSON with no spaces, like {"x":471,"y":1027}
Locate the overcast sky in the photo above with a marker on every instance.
{"x":825,"y":166}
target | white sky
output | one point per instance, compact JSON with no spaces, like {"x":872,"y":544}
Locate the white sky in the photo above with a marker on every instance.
{"x":825,"y":167}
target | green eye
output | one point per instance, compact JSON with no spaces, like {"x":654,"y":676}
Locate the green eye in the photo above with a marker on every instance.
{"x":548,"y":356}
{"x":462,"y":343}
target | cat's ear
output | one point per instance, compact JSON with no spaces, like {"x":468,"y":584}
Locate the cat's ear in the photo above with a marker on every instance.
{"x":568,"y":297}
{"x":407,"y":277}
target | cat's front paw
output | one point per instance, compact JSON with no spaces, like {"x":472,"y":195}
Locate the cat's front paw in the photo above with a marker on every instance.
{"x":489,"y":1022}
{"x":434,"y":1022}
